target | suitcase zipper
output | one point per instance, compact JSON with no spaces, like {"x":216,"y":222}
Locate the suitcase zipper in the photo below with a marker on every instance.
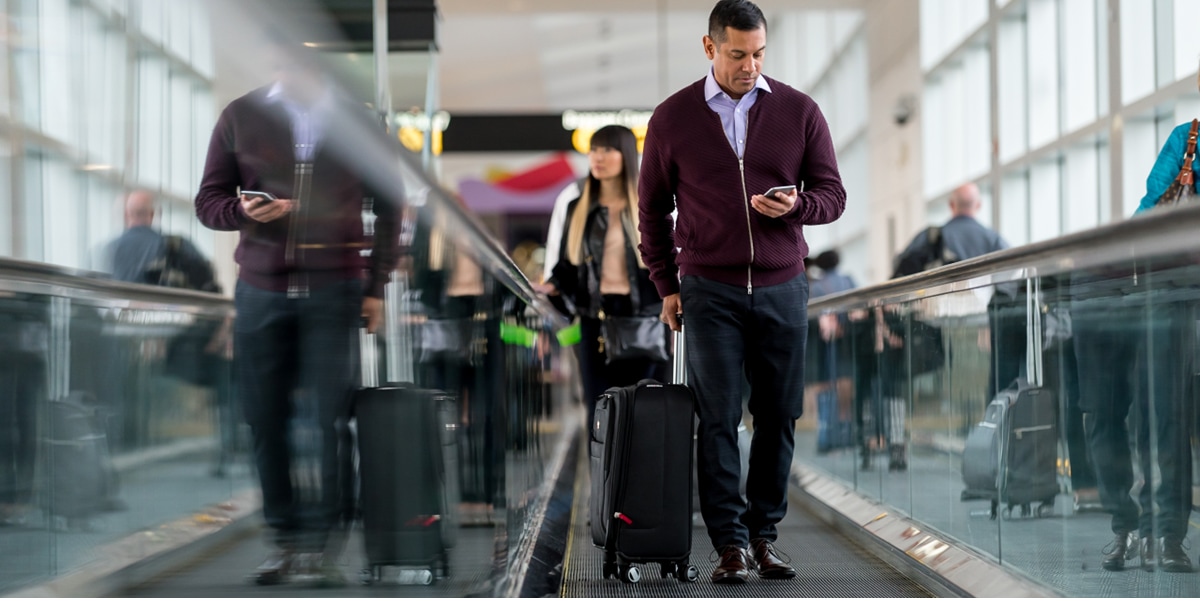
{"x":626,"y":442}
{"x":1021,"y":431}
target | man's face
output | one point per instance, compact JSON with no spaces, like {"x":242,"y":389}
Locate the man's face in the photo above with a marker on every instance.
{"x":737,"y":62}
{"x":300,"y":81}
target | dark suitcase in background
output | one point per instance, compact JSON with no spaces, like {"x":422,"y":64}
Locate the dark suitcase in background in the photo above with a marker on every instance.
{"x":408,"y":476}
{"x":641,"y":467}
{"x":1011,"y":456}
{"x":82,"y":480}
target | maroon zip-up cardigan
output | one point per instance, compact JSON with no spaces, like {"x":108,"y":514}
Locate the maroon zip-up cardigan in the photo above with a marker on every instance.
{"x":251,"y":148}
{"x":687,"y":162}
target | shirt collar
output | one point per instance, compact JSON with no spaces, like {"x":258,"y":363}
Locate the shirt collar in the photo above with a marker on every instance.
{"x":276,"y":94}
{"x":712,"y":88}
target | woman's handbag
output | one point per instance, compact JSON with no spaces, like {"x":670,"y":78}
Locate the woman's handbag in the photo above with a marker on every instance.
{"x":642,"y":337}
{"x":447,"y":340}
{"x":1184,"y":186}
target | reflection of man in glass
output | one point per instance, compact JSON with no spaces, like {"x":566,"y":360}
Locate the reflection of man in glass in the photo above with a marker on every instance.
{"x":1131,"y":355}
{"x":1135,"y":341}
{"x":302,"y":287}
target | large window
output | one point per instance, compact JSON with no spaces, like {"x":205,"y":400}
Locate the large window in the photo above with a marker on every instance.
{"x":953,"y":21}
{"x":956,"y":134}
{"x":1079,"y":64}
{"x":825,"y":54}
{"x":6,"y":205}
{"x":1053,"y":106}
{"x":100,"y":83}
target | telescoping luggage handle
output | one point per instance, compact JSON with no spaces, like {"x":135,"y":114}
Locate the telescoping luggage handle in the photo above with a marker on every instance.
{"x":369,"y":354}
{"x":679,"y":361}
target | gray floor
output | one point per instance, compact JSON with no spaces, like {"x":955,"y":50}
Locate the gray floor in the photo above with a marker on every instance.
{"x":224,"y":574}
{"x":43,"y":548}
{"x":1061,"y":551}
{"x":828,"y":566}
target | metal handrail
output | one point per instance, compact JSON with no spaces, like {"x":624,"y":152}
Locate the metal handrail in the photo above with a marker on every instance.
{"x":1156,"y":233}
{"x":56,"y":280}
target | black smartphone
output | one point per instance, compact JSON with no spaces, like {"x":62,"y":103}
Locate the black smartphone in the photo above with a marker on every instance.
{"x":785,"y":189}
{"x":261,"y":196}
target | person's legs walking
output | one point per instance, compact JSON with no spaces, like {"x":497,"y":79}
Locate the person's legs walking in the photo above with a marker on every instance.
{"x":775,"y":369}
{"x":1106,"y":364}
{"x":714,"y":316}
{"x":1169,"y":365}
{"x":329,"y":364}
{"x":264,"y":343}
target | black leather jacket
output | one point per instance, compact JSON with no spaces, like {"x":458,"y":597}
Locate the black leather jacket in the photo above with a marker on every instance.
{"x":581,"y":283}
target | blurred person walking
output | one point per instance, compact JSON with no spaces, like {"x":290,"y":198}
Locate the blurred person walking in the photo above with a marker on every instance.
{"x":599,"y":270}
{"x":303,"y":289}
{"x":829,"y":358}
{"x":882,"y":374}
{"x":144,"y":255}
{"x":713,"y":150}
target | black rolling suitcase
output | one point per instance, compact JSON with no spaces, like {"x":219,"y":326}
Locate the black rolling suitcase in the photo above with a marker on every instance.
{"x":641,"y":467}
{"x":1011,"y":457}
{"x":407,"y":468}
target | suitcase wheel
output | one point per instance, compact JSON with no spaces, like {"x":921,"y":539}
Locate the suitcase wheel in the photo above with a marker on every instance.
{"x":667,"y":569}
{"x":688,"y":574}
{"x":629,"y":574}
{"x":1046,"y":509}
{"x":369,"y":576}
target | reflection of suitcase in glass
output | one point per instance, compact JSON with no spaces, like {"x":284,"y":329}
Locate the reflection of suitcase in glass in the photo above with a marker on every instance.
{"x":1011,"y":456}
{"x":408,"y":478}
{"x":82,"y":480}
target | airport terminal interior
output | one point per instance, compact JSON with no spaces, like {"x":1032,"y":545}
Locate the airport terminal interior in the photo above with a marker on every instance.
{"x":1060,"y":360}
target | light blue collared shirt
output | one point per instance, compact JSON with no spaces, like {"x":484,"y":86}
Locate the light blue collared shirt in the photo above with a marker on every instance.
{"x":733,"y":112}
{"x":308,"y":123}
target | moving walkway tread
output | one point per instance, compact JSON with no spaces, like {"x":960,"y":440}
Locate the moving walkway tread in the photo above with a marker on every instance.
{"x":827,"y":565}
{"x":224,"y":573}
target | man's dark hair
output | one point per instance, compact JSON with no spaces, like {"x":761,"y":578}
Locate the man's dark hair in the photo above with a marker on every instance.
{"x":741,"y":15}
{"x":828,"y":260}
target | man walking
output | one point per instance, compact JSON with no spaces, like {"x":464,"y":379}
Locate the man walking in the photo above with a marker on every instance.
{"x":302,"y":287}
{"x":712,"y":150}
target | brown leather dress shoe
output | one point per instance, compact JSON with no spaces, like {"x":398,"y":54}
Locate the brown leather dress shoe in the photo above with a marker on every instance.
{"x":767,"y":562}
{"x":732,"y":567}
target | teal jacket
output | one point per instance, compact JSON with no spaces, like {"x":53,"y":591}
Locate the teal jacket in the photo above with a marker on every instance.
{"x":1166,"y":167}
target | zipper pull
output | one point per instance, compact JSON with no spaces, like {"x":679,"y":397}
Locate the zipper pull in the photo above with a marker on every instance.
{"x":623,"y":518}
{"x":600,"y":339}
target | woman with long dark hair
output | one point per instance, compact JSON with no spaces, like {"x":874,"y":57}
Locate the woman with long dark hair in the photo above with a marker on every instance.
{"x":599,"y":268}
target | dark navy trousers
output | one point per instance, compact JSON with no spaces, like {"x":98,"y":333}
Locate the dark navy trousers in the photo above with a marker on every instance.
{"x":297,"y":366}
{"x":1136,"y":364}
{"x":733,"y":334}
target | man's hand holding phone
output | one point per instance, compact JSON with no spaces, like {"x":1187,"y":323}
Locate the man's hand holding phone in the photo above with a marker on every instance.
{"x":264,"y":207}
{"x":776,"y":202}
